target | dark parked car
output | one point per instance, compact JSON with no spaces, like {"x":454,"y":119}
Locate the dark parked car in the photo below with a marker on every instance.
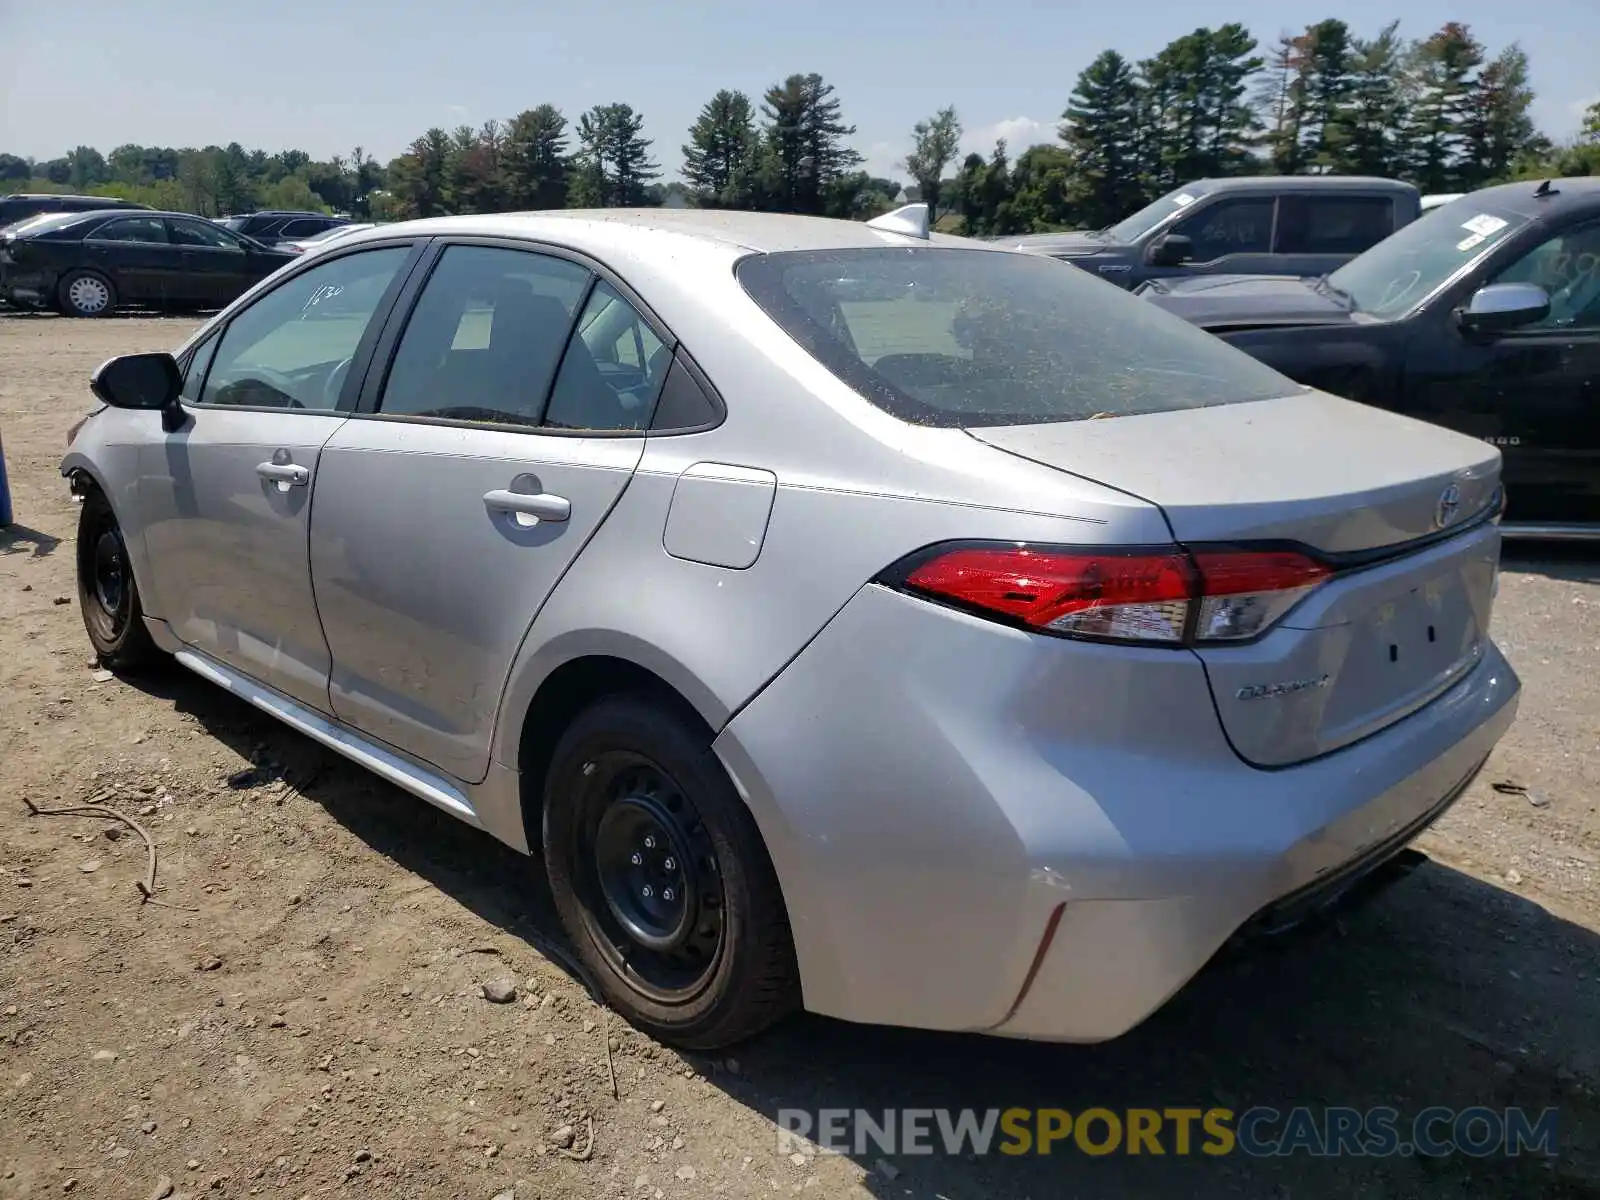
{"x":89,"y":264}
{"x":20,"y":206}
{"x":1484,"y":318}
{"x":1279,"y":225}
{"x":274,"y":226}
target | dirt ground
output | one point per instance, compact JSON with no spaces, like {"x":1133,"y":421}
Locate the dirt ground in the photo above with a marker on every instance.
{"x":311,"y":1021}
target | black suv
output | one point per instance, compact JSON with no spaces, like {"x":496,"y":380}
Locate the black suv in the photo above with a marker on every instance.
{"x":19,"y":206}
{"x":280,"y":225}
{"x":1483,"y":317}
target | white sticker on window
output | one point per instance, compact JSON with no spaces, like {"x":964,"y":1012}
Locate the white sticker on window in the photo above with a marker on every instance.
{"x":1182,"y":199}
{"x":1485,"y":224}
{"x":1468,"y":242}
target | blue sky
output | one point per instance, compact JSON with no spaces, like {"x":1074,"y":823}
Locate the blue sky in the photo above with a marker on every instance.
{"x":327,"y":76}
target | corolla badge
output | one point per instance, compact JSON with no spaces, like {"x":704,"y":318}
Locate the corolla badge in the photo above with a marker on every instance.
{"x":1262,"y":691}
{"x":1449,"y":506}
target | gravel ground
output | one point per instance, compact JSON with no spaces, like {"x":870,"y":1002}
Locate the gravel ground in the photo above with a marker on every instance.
{"x":312,"y":1020}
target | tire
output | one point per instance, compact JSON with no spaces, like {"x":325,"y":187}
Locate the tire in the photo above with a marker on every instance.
{"x":633,"y":778}
{"x":108,"y":597}
{"x":86,"y":294}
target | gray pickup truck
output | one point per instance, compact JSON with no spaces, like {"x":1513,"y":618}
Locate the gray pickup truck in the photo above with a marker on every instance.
{"x":1252,"y":225}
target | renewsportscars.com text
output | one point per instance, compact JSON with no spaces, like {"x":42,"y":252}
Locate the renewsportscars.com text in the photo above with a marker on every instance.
{"x":1261,"y":1131}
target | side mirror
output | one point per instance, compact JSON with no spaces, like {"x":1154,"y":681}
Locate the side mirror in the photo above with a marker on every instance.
{"x":1169,"y":250}
{"x":141,"y":381}
{"x":1502,"y":306}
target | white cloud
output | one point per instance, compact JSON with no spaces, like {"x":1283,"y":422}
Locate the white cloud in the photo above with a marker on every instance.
{"x":1019,"y":133}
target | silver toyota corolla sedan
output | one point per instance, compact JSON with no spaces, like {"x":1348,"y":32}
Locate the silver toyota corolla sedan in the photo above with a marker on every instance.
{"x":896,"y":626}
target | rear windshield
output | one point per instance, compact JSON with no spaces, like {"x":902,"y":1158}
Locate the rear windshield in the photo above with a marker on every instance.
{"x":47,"y":222}
{"x":965,"y":338}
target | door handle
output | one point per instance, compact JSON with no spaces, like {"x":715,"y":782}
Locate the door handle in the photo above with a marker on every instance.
{"x":542,"y":505}
{"x":284,"y":473}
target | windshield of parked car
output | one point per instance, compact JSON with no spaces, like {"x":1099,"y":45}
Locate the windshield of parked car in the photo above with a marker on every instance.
{"x":965,"y":338}
{"x":1408,"y":266}
{"x":233,"y":223}
{"x":1130,"y":229}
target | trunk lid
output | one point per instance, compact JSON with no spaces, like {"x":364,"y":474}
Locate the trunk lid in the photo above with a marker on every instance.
{"x":1373,"y":493}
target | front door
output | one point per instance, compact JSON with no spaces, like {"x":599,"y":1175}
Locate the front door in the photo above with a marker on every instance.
{"x":447,"y":516}
{"x":225,"y":502}
{"x":1232,"y":235}
{"x":213,"y":265}
{"x":1534,"y":391}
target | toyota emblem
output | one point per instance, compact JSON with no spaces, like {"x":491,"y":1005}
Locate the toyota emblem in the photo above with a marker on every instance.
{"x":1449,"y":507}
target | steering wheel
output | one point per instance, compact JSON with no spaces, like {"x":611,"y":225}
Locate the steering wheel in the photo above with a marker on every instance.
{"x":334,"y":384}
{"x":276,"y":380}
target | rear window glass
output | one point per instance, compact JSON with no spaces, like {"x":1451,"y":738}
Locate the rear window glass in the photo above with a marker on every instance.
{"x":955,"y":337}
{"x":47,"y":222}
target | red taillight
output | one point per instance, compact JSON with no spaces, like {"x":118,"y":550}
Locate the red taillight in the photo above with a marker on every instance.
{"x":1165,"y":595}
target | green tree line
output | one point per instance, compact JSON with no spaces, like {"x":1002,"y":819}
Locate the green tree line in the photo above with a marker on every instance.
{"x":1440,"y":111}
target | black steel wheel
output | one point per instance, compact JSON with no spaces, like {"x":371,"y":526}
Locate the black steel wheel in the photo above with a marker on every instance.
{"x":108,"y":597}
{"x":661,"y":878}
{"x":650,"y":885}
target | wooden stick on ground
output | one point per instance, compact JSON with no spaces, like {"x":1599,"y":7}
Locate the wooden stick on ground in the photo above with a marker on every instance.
{"x":605,"y":1033}
{"x":147,"y":885}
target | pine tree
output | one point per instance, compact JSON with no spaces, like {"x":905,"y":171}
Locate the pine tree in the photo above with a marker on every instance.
{"x":1327,"y":89}
{"x":588,"y":181}
{"x":721,"y":159}
{"x":533,"y":160}
{"x":633,"y":170}
{"x":418,"y":175}
{"x":1200,"y":122}
{"x":1441,"y":80}
{"x":997,"y":193}
{"x":1101,"y":130}
{"x":804,"y":144}
{"x":1498,"y":126}
{"x":612,"y":167}
{"x":1364,"y":132}
{"x":1280,"y":98}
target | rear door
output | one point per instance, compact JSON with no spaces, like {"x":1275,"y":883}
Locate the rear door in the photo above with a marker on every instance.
{"x":1316,"y":233}
{"x":489,"y":450}
{"x":136,"y":254}
{"x":225,"y":502}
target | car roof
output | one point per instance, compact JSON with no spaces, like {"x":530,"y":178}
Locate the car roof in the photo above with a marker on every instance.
{"x":1296,"y":183}
{"x":721,"y":232}
{"x":1575,"y":194}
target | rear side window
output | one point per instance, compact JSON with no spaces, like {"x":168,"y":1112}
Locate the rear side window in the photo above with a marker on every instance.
{"x":133,"y":229}
{"x":486,"y":337}
{"x":967,"y":338}
{"x":1332,"y":224}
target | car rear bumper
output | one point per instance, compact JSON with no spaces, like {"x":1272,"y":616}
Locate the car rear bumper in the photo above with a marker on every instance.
{"x":982,"y":829}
